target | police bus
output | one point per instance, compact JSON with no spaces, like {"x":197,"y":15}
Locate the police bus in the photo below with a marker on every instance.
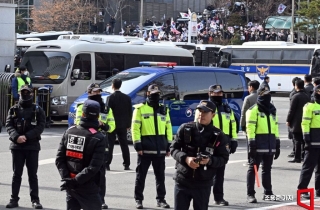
{"x":281,"y":61}
{"x":48,"y":35}
{"x":70,"y":64}
{"x":182,"y":88}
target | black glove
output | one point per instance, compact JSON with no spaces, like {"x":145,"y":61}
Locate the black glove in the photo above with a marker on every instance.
{"x":63,"y":186}
{"x":243,"y":128}
{"x":252,"y":151}
{"x":277,"y":154}
{"x":233,"y":146}
{"x":70,"y":183}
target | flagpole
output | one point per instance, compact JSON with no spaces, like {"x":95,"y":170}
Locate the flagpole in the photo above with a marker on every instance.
{"x":141,"y":17}
{"x":292,"y":21}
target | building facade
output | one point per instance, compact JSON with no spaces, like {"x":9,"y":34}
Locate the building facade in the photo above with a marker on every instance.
{"x":7,"y":34}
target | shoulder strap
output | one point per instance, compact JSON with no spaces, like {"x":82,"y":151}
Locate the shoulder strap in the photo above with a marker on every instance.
{"x":188,"y":132}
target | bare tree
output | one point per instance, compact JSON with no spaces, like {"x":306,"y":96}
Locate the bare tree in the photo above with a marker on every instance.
{"x":70,"y":15}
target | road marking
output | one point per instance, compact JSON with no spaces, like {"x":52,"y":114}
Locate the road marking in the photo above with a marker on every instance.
{"x":169,"y":167}
{"x":284,"y":204}
{"x":47,"y":161}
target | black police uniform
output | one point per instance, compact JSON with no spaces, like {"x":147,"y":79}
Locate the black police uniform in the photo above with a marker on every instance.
{"x":28,"y":119}
{"x":79,"y":160}
{"x":192,"y":139}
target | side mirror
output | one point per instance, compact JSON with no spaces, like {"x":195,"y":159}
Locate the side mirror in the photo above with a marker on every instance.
{"x":75,"y":73}
{"x":7,"y":68}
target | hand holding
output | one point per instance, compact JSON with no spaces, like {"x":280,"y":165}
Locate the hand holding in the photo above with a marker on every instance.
{"x":190,"y":162}
{"x":21,"y":139}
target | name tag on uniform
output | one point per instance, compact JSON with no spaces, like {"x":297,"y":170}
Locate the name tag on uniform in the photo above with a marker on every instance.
{"x":103,"y":117}
{"x":162,"y":117}
{"x":76,"y":143}
{"x":228,"y":116}
{"x":273,"y":117}
{"x":209,"y":150}
{"x":316,"y":112}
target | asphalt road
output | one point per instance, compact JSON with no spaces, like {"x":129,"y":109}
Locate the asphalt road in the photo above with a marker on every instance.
{"x":120,"y":183}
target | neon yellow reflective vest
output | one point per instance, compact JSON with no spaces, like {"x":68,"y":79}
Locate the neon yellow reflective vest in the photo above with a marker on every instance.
{"x":262,"y":130}
{"x":21,"y":82}
{"x":105,"y":118}
{"x":151,"y":135}
{"x":311,"y":124}
{"x":227,"y":118}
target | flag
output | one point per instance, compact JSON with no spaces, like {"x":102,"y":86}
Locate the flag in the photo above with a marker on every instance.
{"x":173,"y":25}
{"x":145,"y":34}
{"x":164,"y":16}
{"x":154,"y":26}
{"x":281,"y":8}
{"x":184,"y":15}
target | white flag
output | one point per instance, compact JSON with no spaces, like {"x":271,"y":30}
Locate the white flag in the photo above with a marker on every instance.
{"x":189,"y":12}
{"x":281,"y":8}
{"x":145,"y":34}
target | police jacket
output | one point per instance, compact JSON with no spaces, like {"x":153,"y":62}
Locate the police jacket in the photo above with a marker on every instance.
{"x":151,"y":129}
{"x":248,"y":102}
{"x":189,"y":141}
{"x":311,"y":124}
{"x":106,"y":117}
{"x":295,"y":111}
{"x":224,"y":120}
{"x":81,"y":155}
{"x":18,"y":81}
{"x":28,"y":120}
{"x":262,"y":129}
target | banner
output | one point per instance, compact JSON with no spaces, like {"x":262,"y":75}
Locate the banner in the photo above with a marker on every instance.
{"x":281,"y":8}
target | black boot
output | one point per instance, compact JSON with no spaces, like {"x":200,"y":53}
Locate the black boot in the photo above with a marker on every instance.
{"x":139,"y":204}
{"x":12,"y":204}
{"x":162,"y":203}
{"x":36,"y":205}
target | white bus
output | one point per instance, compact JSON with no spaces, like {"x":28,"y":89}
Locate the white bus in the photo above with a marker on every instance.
{"x":281,"y":61}
{"x":70,"y":64}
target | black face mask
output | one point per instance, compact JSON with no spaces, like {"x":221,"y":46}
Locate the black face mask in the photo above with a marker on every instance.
{"x":154,"y":99}
{"x":97,"y":98}
{"x":216,"y":99}
{"x":26,"y":99}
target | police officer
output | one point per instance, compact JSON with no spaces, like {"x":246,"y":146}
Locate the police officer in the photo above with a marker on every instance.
{"x":80,"y":158}
{"x":264,"y":143}
{"x":152,"y":145}
{"x":311,"y":130}
{"x":200,"y":149}
{"x":226,"y":122}
{"x":106,"y":125}
{"x":21,"y":78}
{"x":25,"y":124}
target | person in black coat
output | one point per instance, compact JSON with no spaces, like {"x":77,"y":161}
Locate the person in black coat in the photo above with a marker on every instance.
{"x":308,"y":84}
{"x":294,"y":119}
{"x":265,"y":83}
{"x":25,"y":124}
{"x":121,"y":106}
{"x":315,"y":82}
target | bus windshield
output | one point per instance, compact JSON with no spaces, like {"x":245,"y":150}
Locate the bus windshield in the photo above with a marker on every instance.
{"x":130,"y":81}
{"x":47,"y":67}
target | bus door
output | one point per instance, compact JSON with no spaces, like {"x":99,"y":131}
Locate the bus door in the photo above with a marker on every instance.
{"x":81,"y":76}
{"x":224,"y":59}
{"x":315,"y":64}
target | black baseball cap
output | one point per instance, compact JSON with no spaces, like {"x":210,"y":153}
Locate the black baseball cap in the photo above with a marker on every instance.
{"x":153,"y":89}
{"x":25,"y":87}
{"x":91,"y":108}
{"x":215,"y":88}
{"x":207,"y":106}
{"x":263,"y":91}
{"x":93,"y":87}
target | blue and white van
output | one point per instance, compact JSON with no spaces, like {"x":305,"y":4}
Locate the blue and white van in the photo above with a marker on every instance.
{"x":182,"y":88}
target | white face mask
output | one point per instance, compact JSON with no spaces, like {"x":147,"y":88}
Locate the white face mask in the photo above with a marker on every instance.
{"x":25,"y":73}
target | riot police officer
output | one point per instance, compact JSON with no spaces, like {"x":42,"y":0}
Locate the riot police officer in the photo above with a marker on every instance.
{"x":21,"y":78}
{"x":225,"y":121}
{"x":200,"y":149}
{"x":80,"y":158}
{"x":264,"y":143}
{"x":152,"y":135}
{"x":25,"y":124}
{"x":311,"y":130}
{"x":106,"y":125}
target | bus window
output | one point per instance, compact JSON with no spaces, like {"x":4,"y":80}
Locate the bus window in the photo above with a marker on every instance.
{"x":83,"y":62}
{"x":296,"y":56}
{"x":268,"y":56}
{"x":186,"y":61}
{"x":166,"y":85}
{"x":103,"y":70}
{"x":231,"y":84}
{"x":117,"y":62}
{"x":243,"y":56}
{"x":193,"y":84}
{"x":167,"y":59}
{"x":132,"y":60}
